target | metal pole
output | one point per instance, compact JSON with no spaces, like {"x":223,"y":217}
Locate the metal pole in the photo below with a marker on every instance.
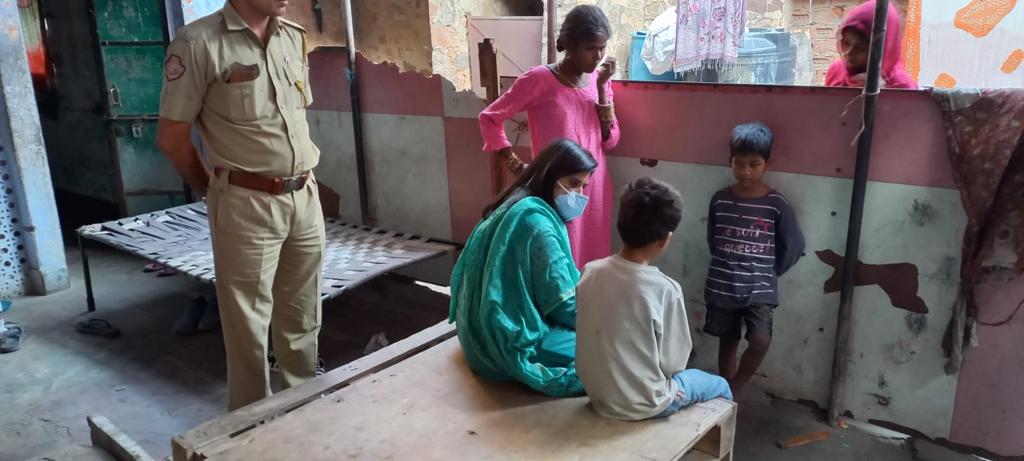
{"x":357,"y":124}
{"x":860,"y":179}
{"x":552,"y":22}
{"x":89,"y":300}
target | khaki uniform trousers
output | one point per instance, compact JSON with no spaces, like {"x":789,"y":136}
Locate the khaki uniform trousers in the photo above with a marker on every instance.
{"x":268,"y":254}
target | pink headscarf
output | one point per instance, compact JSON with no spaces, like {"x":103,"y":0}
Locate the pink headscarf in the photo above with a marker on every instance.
{"x":893,"y":73}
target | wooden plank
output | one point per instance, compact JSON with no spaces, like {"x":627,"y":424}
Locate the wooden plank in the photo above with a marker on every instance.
{"x":431,"y":406}
{"x":242,"y":419}
{"x":109,"y":438}
{"x":801,"y":440}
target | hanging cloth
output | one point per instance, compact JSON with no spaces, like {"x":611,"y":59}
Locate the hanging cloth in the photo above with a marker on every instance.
{"x":985,"y":135}
{"x":708,"y":33}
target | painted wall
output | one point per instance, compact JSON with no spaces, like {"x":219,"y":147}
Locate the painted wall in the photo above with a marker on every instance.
{"x":989,"y":411}
{"x":913,"y":216}
{"x":32,"y":249}
{"x":403,"y":127}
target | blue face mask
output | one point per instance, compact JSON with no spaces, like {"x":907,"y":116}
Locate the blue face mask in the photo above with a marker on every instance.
{"x":571,"y":204}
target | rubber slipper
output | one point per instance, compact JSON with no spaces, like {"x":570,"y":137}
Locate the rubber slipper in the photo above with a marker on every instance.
{"x":97,"y":327}
{"x":10,"y":340}
{"x":153,"y":267}
{"x":167,"y":272}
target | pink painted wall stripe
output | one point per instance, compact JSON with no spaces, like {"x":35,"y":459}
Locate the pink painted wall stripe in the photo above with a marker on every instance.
{"x":692,"y":123}
{"x":382,"y":89}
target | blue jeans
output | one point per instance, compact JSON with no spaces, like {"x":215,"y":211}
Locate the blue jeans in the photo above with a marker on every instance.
{"x":696,"y":386}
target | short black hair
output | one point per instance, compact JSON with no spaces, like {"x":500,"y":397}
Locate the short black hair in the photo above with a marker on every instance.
{"x":584,"y":22}
{"x":648,"y":211}
{"x":751,"y":138}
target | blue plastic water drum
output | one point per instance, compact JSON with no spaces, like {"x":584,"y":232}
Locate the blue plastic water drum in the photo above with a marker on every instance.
{"x":637,"y":68}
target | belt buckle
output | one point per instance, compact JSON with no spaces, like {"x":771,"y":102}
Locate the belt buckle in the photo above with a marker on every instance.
{"x":291,"y":184}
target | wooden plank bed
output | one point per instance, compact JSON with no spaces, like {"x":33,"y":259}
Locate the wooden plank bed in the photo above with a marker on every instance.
{"x":417,"y":399}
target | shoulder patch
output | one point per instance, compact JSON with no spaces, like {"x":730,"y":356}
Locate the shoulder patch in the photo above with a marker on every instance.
{"x":174,"y":68}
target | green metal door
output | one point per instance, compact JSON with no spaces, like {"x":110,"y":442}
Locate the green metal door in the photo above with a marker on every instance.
{"x":132,"y":43}
{"x":134,"y":76}
{"x":129,"y":20}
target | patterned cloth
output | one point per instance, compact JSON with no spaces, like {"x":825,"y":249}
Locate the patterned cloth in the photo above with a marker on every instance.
{"x":985,"y":133}
{"x":709,"y":30}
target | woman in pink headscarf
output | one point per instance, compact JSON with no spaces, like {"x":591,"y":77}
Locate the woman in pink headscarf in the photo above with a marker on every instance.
{"x":854,"y":40}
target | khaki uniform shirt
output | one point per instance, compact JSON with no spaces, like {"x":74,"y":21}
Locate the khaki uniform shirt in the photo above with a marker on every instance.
{"x":249,"y":101}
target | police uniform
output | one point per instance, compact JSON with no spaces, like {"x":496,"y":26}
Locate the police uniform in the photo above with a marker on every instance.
{"x":249,"y":104}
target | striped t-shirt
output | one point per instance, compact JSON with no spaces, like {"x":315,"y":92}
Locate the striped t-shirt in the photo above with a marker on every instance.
{"x":753,"y":242}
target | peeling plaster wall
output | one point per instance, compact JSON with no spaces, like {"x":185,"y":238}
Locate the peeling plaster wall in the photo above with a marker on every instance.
{"x":396,"y":31}
{"x":449,"y":35}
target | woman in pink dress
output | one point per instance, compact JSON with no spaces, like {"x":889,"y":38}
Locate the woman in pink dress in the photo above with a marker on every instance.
{"x":571,"y":99}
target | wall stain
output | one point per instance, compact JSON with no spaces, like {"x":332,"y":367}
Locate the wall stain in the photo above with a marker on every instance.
{"x":898,"y":281}
{"x":902,"y":351}
{"x":916,"y":323}
{"x":883,"y":400}
{"x":947,"y":270}
{"x":922,"y":213}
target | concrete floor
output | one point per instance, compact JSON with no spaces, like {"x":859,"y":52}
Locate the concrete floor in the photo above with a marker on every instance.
{"x":154,"y":385}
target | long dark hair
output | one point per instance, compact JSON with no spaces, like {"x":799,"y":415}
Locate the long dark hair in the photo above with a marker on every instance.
{"x":584,"y":22}
{"x":561,"y":158}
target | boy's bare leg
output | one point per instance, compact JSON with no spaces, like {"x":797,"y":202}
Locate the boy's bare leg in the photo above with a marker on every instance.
{"x":757,"y":348}
{"x":727,"y":358}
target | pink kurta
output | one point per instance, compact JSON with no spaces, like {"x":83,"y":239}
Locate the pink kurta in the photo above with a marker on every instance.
{"x":556,"y":111}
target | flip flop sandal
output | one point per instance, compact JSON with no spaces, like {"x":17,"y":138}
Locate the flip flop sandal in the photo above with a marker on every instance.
{"x":167,"y":272}
{"x":97,"y":327}
{"x":153,"y":267}
{"x":10,"y":340}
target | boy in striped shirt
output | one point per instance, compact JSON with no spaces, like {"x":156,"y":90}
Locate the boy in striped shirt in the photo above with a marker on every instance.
{"x":754,"y":238}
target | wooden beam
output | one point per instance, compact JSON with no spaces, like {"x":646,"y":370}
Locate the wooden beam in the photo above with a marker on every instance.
{"x":488,"y":59}
{"x":241,"y":420}
{"x":110,"y":439}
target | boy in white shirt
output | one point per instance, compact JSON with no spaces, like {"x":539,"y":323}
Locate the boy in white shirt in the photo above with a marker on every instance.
{"x":632,"y":336}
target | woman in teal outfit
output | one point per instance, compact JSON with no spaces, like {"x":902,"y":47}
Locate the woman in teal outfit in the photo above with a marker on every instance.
{"x":514,"y":286}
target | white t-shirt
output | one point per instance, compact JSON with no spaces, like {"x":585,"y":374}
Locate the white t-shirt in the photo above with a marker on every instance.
{"x":632,"y":336}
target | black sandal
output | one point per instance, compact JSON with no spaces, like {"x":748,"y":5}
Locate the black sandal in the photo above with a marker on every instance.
{"x":10,"y":339}
{"x":97,"y":327}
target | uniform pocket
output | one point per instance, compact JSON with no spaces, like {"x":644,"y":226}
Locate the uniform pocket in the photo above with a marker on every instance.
{"x":241,"y":100}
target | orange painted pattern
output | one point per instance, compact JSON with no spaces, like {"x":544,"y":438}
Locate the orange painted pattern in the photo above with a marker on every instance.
{"x":980,"y":17}
{"x":1013,"y":61}
{"x":945,"y":80}
{"x":912,"y":40}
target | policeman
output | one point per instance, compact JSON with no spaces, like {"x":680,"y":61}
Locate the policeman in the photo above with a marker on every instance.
{"x":240,"y":75}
